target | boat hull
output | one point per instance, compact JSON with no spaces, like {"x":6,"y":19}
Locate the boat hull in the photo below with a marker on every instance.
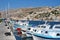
{"x":28,"y":35}
{"x":40,"y":38}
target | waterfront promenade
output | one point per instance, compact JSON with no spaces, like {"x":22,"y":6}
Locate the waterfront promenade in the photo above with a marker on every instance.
{"x":3,"y":31}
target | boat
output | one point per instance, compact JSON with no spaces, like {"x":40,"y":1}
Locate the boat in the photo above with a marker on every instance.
{"x":47,"y":33}
{"x":30,"y":31}
{"x":21,"y":24}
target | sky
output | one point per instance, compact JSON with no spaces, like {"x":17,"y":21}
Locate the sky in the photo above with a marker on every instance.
{"x":27,"y":3}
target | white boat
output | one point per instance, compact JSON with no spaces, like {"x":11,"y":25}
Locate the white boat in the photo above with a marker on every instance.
{"x":22,"y":25}
{"x":47,"y":34}
{"x":30,"y":31}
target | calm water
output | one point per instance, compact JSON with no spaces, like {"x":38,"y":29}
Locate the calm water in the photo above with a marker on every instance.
{"x":35,"y":23}
{"x":19,"y":38}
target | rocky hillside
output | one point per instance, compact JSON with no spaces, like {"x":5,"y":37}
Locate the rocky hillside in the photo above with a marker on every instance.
{"x":39,"y":13}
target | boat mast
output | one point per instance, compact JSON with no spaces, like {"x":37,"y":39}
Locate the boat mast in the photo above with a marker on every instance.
{"x":7,"y":14}
{"x":46,"y":22}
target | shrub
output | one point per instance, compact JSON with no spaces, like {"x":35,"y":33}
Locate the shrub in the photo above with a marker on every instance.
{"x":0,"y":20}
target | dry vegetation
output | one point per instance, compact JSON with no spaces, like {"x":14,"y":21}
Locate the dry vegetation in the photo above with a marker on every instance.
{"x":39,"y":13}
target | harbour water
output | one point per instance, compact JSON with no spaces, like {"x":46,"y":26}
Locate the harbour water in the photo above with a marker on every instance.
{"x":20,"y":38}
{"x":35,"y":23}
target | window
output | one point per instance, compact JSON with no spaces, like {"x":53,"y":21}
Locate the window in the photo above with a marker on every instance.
{"x":43,"y":26}
{"x":25,"y":24}
{"x":38,"y":26}
{"x":57,"y":27}
{"x":34,"y":30}
{"x":29,"y":28}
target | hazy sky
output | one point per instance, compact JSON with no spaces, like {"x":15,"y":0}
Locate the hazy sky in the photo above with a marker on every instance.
{"x":27,"y":3}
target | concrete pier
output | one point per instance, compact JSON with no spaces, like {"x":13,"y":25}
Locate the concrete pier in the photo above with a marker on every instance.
{"x":3,"y":30}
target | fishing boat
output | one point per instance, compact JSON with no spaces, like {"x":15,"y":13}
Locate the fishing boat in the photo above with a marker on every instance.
{"x":30,"y":31}
{"x":47,"y":33}
{"x":21,"y":24}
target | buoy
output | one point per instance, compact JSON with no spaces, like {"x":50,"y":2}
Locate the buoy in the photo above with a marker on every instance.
{"x":19,"y":31}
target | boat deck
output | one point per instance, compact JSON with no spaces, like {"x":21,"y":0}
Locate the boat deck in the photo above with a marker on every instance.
{"x":3,"y":30}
